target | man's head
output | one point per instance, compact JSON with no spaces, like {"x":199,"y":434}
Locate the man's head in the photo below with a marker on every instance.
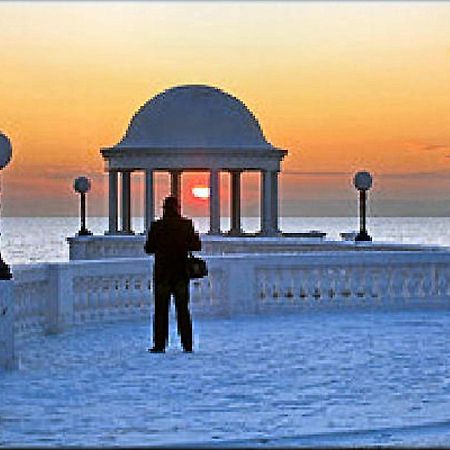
{"x":171,"y":207}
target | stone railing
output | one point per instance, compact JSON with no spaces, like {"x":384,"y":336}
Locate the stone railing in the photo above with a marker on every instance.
{"x":51,"y":297}
{"x":357,"y":280}
{"x":132,"y":246}
{"x":32,"y":293}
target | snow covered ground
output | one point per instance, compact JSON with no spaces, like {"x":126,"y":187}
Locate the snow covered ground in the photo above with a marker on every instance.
{"x":311,"y":379}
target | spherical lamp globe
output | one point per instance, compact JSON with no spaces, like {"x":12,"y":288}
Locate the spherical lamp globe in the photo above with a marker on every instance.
{"x":363,"y":181}
{"x":82,"y":185}
{"x":5,"y":151}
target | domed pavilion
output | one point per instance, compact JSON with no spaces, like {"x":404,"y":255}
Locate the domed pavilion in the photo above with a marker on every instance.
{"x":193,"y":128}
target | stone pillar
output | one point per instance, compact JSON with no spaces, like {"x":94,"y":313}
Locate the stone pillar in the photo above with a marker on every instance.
{"x":275,"y":213}
{"x":113,"y":209}
{"x":214,"y":201}
{"x":175,"y":184}
{"x":235,"y":202}
{"x":8,"y":358}
{"x":126,"y":202}
{"x":266,"y":203}
{"x":149,"y":207}
{"x":60,"y":302}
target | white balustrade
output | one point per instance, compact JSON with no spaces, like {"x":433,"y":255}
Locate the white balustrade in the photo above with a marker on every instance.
{"x":370,"y":279}
{"x":31,"y":292}
{"x":48,"y":298}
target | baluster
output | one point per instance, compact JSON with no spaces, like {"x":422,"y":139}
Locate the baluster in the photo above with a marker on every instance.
{"x":427,"y":284}
{"x":262,"y":286}
{"x":132,"y":295}
{"x":139,"y":284}
{"x":195,"y":292}
{"x":346,"y":292}
{"x":114,"y":295}
{"x":330,"y":283}
{"x":76,"y":300}
{"x":423,"y":276}
{"x":276,"y":286}
{"x":443,"y":282}
{"x":304,"y":285}
{"x":105,"y":289}
{"x":126,"y":295}
{"x":324,"y":285}
{"x":290,"y":294}
{"x":397,"y":284}
{"x":354,"y":274}
{"x":102,"y":297}
{"x":374,"y":282}
{"x":97,"y":294}
{"x":90,"y":312}
{"x":210,"y":296}
{"x":204,"y":298}
{"x":339,"y":284}
{"x":411,"y":284}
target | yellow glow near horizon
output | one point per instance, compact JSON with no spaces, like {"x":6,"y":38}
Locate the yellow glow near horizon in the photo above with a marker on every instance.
{"x":342,"y":86}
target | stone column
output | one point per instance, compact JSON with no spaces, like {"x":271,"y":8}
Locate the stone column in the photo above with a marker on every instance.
{"x":235,"y":202}
{"x":214,"y":201}
{"x":175,"y":184}
{"x":266,"y":202}
{"x":113,"y":209}
{"x":274,"y":222}
{"x":126,"y":202}
{"x":149,"y":207}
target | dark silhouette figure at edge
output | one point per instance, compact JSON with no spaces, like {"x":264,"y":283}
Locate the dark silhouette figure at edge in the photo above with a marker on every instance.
{"x":170,"y":239}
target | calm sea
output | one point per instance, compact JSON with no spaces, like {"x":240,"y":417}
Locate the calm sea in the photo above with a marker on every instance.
{"x":43,"y":239}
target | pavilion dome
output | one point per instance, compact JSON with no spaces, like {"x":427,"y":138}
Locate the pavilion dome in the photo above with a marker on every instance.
{"x":194,"y":116}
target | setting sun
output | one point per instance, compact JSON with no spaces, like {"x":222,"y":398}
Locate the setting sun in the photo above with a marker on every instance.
{"x":201,"y":192}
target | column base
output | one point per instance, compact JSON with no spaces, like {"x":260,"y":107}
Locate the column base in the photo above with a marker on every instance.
{"x":235,"y":232}
{"x":84,"y":232}
{"x":269,"y":233}
{"x":362,"y":236}
{"x":111,"y":233}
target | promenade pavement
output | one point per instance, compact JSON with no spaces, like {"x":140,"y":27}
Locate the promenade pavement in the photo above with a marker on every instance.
{"x":313,"y":379}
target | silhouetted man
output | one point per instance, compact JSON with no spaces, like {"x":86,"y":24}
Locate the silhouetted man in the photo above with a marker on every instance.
{"x":170,"y":239}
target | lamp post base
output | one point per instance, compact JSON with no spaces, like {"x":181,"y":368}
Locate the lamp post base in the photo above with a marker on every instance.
{"x":84,"y":232}
{"x":5,"y":272}
{"x":362,"y":236}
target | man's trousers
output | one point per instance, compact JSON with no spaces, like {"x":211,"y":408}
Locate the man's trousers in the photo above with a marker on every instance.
{"x":180,"y":290}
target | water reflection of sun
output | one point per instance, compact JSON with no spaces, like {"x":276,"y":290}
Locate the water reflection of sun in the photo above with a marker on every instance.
{"x":201,"y":192}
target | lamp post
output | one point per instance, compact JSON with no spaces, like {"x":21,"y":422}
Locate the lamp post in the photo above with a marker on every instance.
{"x":5,"y":158}
{"x":362,"y":182}
{"x":82,"y":185}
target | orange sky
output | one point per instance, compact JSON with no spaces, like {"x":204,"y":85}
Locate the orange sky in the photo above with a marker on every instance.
{"x":341,"y":85}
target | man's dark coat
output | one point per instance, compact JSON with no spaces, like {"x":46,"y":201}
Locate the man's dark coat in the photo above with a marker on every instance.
{"x":170,"y":239}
